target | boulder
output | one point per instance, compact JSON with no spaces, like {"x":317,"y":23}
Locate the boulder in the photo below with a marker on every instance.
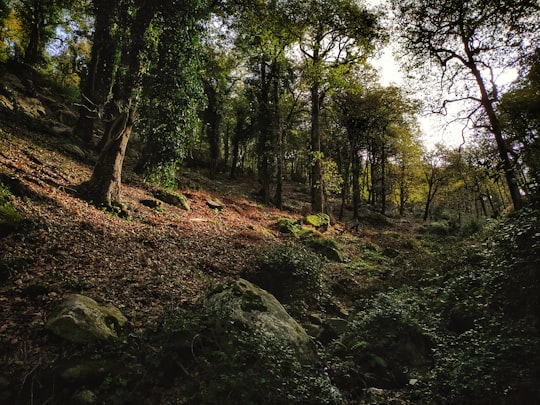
{"x":242,"y":306}
{"x":30,"y":106}
{"x":80,"y":319}
{"x":215,"y":204}
{"x":172,"y":198}
{"x":320,"y":221}
{"x":71,"y":148}
{"x":6,"y":103}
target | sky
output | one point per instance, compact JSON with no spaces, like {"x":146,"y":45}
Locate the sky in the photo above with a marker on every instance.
{"x":434,"y":127}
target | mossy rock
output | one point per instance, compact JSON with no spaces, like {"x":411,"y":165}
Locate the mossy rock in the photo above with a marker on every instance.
{"x":240,"y":306}
{"x":172,"y":198}
{"x":84,"y":397}
{"x":326,"y":247}
{"x":293,"y":227}
{"x":80,"y":319}
{"x":319,"y":221}
{"x":87,"y":372}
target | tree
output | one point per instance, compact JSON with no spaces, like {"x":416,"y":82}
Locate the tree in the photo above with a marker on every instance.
{"x":217,"y":85}
{"x":104,"y":185}
{"x":39,"y":20}
{"x":264,"y":34}
{"x":434,"y":172}
{"x":520,"y":111}
{"x":471,"y":41}
{"x":139,"y":22}
{"x":334,"y":33}
{"x":376,"y":118}
{"x":97,"y":85}
{"x":172,"y":89}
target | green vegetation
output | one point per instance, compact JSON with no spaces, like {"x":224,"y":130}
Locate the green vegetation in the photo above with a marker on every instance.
{"x":290,"y":237}
{"x":10,"y":218}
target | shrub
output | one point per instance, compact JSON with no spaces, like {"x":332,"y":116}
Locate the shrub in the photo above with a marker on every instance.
{"x":387,"y":343}
{"x":259,"y":369}
{"x":292,"y":273}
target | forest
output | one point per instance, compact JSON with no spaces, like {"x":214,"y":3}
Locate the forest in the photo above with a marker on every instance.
{"x":231,"y":202}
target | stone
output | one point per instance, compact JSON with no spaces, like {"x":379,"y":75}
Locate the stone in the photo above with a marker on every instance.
{"x":326,"y":247}
{"x":320,"y":221}
{"x":215,"y":204}
{"x":6,"y":103}
{"x":73,"y":149}
{"x":172,"y":198}
{"x":60,"y":131}
{"x":246,"y":307}
{"x":80,"y":319}
{"x":30,"y":106}
{"x":150,"y":203}
{"x":84,"y":397}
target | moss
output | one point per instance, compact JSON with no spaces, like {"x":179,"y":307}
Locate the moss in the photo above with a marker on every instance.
{"x":319,"y":221}
{"x":326,"y":247}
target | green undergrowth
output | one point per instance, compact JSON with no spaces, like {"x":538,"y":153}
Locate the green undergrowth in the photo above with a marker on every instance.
{"x":467,"y":332}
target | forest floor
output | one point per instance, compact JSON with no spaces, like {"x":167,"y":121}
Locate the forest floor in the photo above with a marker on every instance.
{"x":149,"y":262}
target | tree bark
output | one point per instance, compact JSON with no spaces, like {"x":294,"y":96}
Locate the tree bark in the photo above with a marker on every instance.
{"x":278,"y":136}
{"x":103,"y":62}
{"x":317,"y":197}
{"x":104,"y":185}
{"x":502,"y":148}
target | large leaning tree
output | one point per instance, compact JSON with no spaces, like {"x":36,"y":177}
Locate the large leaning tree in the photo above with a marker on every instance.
{"x":471,"y":42}
{"x":138,"y":22}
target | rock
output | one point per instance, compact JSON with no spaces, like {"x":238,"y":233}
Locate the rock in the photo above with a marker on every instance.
{"x":67,"y":117}
{"x":30,"y":106}
{"x":245,"y":307}
{"x":215,"y":204}
{"x":320,"y":221}
{"x":294,"y":227}
{"x":154,"y":204}
{"x":6,"y":103}
{"x":172,"y":198}
{"x":60,"y":131}
{"x":72,"y":148}
{"x":84,"y":397}
{"x":326,"y":247}
{"x":85,"y":372}
{"x":80,"y":319}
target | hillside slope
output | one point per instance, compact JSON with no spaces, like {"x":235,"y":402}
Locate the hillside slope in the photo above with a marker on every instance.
{"x":56,"y":243}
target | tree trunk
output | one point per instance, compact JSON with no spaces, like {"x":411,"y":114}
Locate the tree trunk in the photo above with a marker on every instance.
{"x":33,"y":53}
{"x":402,"y":191}
{"x":104,"y":185}
{"x":317,"y":198}
{"x":213,"y":124}
{"x":383,"y":179}
{"x":432,"y":190}
{"x":103,"y":62}
{"x":356,"y":164}
{"x":346,"y":184}
{"x":278,"y":136}
{"x":496,"y":129}
{"x":237,"y":136}
{"x":265,"y":134}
